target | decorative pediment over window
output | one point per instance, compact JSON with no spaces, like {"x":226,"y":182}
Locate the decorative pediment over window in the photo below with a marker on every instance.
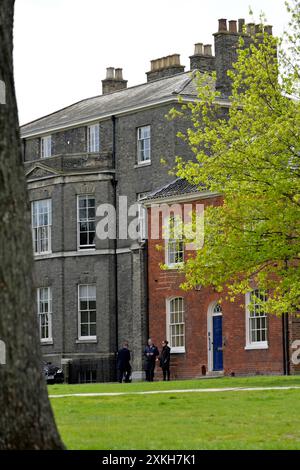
{"x":41,"y":171}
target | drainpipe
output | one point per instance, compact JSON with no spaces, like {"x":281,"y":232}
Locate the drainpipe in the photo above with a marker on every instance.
{"x":115,"y":183}
{"x":285,"y":342}
{"x":285,"y":338}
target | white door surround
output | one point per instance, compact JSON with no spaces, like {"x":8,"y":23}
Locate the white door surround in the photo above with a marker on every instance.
{"x":214,"y":310}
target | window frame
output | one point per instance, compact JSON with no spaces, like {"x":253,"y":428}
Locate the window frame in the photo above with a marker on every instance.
{"x":141,"y":151}
{"x":35,"y":229}
{"x":170,"y":242}
{"x":250,"y":345}
{"x":46,"y":146}
{"x":175,"y":349}
{"x":87,"y":337}
{"x":142,"y":216}
{"x":93,"y":140}
{"x":79,"y":246}
{"x":49,"y":314}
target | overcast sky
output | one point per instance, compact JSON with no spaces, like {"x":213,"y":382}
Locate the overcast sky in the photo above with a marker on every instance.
{"x":62,"y":47}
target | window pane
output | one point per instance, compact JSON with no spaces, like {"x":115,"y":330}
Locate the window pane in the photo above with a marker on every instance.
{"x":93,"y":330}
{"x":83,"y":305}
{"x":84,"y":317}
{"x":83,"y":239}
{"x":84,"y":330}
{"x":83,"y":292}
{"x":92,"y":292}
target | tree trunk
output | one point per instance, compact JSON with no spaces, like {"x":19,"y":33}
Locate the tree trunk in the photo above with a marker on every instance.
{"x":26,"y":419}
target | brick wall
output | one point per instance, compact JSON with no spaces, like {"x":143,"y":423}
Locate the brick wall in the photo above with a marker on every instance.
{"x":166,"y":284}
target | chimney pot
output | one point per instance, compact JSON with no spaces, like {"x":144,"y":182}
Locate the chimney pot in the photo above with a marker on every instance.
{"x":258,"y":28}
{"x":232,"y":26}
{"x":268,"y":29}
{"x":176,"y":59}
{"x":119,"y":74}
{"x":110,"y":73}
{"x":222,"y":25}
{"x":251,"y":28}
{"x":207,"y":49}
{"x":241,"y":25}
{"x":167,"y":61}
{"x":198,"y":48}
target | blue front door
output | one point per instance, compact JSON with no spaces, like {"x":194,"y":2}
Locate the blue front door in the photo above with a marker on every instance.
{"x":217,"y":343}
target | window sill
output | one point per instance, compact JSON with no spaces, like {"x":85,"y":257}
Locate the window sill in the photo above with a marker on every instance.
{"x":175,"y":266}
{"x":86,"y":341}
{"x":141,"y":165}
{"x":47,"y":342}
{"x":253,"y":346}
{"x":82,"y":250}
{"x":40,"y":255}
{"x":178,"y":350}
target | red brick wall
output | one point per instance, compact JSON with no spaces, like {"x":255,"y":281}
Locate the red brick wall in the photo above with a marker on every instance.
{"x":237,"y":360}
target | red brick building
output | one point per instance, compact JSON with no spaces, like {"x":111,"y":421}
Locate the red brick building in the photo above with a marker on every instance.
{"x":207,"y":337}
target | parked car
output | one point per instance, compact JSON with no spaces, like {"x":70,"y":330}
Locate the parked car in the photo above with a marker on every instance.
{"x":53,"y":374}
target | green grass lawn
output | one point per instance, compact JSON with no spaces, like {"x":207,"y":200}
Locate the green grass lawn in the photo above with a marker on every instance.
{"x":224,"y":420}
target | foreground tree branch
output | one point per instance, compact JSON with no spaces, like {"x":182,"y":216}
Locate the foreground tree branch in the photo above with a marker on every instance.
{"x":26,"y":419}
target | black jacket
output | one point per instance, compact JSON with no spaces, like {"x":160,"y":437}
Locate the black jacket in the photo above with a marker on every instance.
{"x":165,"y":356}
{"x":123,"y":358}
{"x":153,"y":351}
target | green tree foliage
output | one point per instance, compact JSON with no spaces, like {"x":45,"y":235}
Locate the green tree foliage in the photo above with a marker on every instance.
{"x":250,"y":154}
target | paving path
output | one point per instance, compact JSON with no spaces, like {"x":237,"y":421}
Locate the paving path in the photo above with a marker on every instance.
{"x":191,"y":390}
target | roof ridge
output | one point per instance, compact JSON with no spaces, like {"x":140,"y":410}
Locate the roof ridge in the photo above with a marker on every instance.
{"x":185,"y":83}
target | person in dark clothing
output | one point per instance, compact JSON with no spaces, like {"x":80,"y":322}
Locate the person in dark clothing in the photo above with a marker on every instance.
{"x":123,"y":364}
{"x":164,"y":359}
{"x":151,"y":353}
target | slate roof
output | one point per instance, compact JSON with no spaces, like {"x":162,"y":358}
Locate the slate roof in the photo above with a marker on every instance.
{"x":177,"y":187}
{"x":90,"y":109}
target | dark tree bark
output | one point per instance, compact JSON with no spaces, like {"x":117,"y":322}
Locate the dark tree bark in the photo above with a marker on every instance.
{"x":26,"y":419}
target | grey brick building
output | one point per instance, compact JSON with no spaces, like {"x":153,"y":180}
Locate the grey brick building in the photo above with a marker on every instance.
{"x":91,"y":293}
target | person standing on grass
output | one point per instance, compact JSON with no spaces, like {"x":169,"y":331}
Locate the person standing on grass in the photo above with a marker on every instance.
{"x":164,"y":359}
{"x":151,"y":353}
{"x":123,"y":363}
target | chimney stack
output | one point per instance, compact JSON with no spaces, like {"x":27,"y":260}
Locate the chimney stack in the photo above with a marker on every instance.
{"x":241,"y":22}
{"x":226,"y":45}
{"x":203,"y":60}
{"x":165,"y":67}
{"x":114,"y":81}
